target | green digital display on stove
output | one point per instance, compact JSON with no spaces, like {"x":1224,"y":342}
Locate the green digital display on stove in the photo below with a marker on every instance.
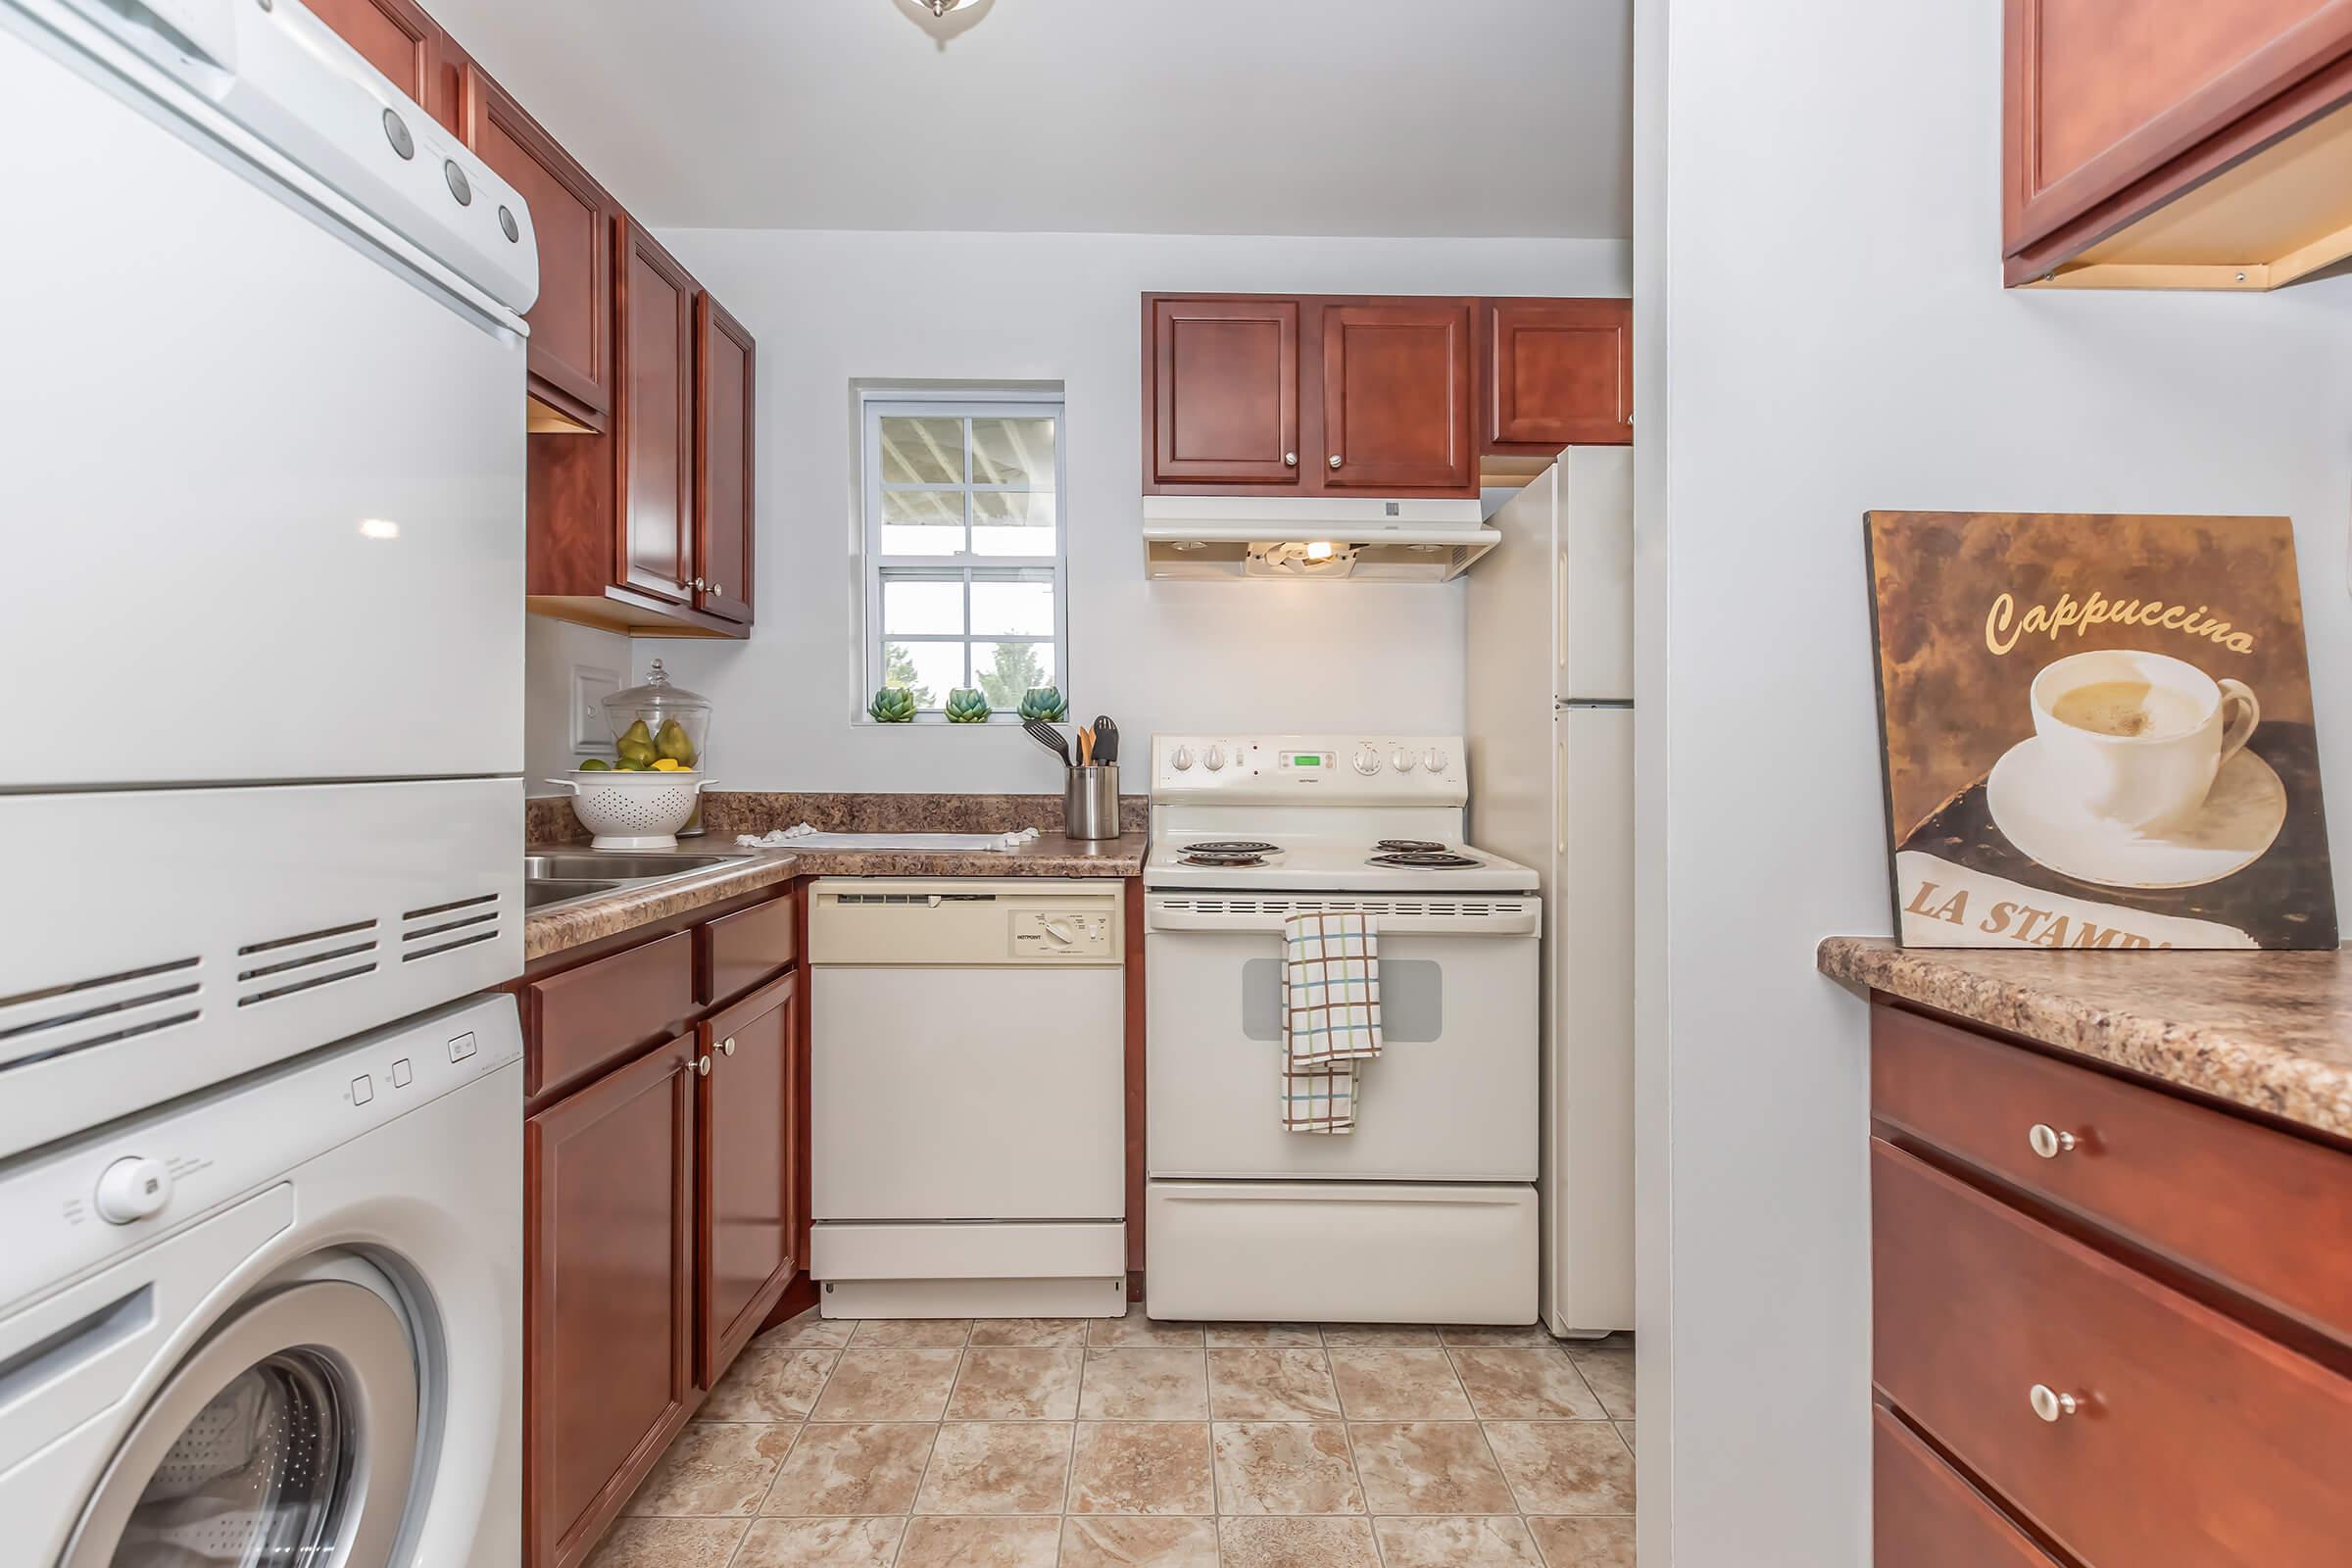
{"x":1306,"y":759}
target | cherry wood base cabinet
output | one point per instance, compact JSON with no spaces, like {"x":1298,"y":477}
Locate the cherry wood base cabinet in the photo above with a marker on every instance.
{"x":663,"y":1194}
{"x":2112,"y":1321}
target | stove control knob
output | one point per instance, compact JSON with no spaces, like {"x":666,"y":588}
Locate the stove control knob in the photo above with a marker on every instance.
{"x":1367,"y":761}
{"x":1215,"y":757}
{"x":1182,"y":759}
{"x":1435,"y":761}
{"x":132,"y":1189}
{"x":1402,"y":759}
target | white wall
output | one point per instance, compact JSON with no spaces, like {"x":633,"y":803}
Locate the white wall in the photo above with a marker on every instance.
{"x":831,"y":307}
{"x":1838,"y":341}
{"x":551,"y":651}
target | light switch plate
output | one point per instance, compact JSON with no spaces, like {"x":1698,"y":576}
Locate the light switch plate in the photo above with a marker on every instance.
{"x":590,"y":686}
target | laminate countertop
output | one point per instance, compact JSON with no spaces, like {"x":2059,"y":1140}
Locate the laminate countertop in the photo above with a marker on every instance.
{"x":606,"y":915}
{"x":2270,"y":1031}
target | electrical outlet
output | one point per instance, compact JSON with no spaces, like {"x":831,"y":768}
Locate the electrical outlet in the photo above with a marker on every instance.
{"x":590,"y":686}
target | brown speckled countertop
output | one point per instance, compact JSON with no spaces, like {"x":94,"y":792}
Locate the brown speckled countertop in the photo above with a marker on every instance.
{"x":2269,"y":1030}
{"x":605,"y":914}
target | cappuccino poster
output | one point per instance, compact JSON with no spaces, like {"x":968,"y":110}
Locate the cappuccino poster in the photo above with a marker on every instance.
{"x":2097,"y":732}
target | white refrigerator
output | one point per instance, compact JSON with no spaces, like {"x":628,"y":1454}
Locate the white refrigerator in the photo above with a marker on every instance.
{"x":1551,"y":741}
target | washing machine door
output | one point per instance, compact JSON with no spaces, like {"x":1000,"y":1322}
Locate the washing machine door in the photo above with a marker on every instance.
{"x":285,"y":1440}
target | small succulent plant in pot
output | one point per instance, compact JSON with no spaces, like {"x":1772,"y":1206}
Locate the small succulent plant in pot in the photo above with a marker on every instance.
{"x":892,"y":704}
{"x":1045,"y":703}
{"x":967,"y":706}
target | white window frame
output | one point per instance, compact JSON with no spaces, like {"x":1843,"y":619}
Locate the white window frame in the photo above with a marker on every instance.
{"x":873,"y":405}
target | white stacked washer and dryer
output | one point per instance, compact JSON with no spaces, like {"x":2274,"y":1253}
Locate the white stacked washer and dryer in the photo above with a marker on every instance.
{"x":261,"y":440}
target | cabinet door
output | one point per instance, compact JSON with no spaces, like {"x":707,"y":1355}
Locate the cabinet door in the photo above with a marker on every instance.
{"x":572,"y":324}
{"x":722,"y":456}
{"x":397,"y":38}
{"x":1558,"y":374}
{"x":747,"y":1163}
{"x":1223,"y":385}
{"x":1397,"y":397}
{"x":608,"y":1238}
{"x":656,"y":415}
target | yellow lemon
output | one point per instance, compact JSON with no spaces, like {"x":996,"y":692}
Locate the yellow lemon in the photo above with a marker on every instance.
{"x":667,"y":765}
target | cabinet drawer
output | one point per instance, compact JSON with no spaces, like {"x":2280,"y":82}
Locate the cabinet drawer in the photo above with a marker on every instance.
{"x":2194,"y":1440}
{"x":1924,"y":1515}
{"x":737,"y":954}
{"x":584,"y":1019}
{"x":2223,"y":1195}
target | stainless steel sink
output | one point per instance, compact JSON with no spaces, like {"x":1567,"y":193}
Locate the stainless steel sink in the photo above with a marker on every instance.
{"x":614,"y":865}
{"x":539,"y":892}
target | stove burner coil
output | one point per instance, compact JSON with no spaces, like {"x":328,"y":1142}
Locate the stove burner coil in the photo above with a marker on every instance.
{"x":1410,"y":846}
{"x":1424,"y":860}
{"x":1252,"y":847}
{"x":1224,"y":859}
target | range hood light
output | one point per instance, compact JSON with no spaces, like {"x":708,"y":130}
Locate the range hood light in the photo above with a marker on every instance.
{"x":1189,"y":544}
{"x":1423,"y":550}
{"x":1318,"y":551}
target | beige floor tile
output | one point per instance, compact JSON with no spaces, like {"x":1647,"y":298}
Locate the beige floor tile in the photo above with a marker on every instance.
{"x":888,"y":1386}
{"x":1608,"y":1366}
{"x":810,"y":1330}
{"x":1525,"y":1385}
{"x":669,"y":1544}
{"x":1144,"y":1386}
{"x":1297,"y":1544}
{"x":1585,"y":1542}
{"x":1487,"y":1542}
{"x":998,"y":1467}
{"x":714,"y":1469}
{"x":820,"y":1544}
{"x":1397,"y":1386}
{"x":859,"y":1468}
{"x":1625,"y":1430}
{"x":1036,"y":1333}
{"x":1271,"y":1385}
{"x":969,"y":1542}
{"x":912,"y":1333}
{"x":769,"y":1381}
{"x":1360,"y":1335}
{"x":1243,"y":1335}
{"x":1285,"y":1467}
{"x":1135,"y":1331}
{"x":1564,"y":1467}
{"x":1428,"y":1467}
{"x":1112,"y":1542}
{"x":1526,"y":1337}
{"x":1141,"y":1467}
{"x":1019,"y":1385}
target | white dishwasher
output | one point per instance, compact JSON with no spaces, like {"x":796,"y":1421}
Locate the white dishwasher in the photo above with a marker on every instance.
{"x":967,"y":1097}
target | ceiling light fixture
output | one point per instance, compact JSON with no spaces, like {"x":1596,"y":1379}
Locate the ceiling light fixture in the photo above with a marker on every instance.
{"x":940,"y":8}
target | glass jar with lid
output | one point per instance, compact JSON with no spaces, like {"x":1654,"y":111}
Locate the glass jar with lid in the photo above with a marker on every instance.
{"x":659,"y":727}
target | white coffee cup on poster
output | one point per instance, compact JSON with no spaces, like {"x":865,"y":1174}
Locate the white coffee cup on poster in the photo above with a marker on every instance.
{"x":2137,"y":738}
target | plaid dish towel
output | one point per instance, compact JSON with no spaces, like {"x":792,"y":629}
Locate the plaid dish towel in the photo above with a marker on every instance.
{"x":1330,"y":1018}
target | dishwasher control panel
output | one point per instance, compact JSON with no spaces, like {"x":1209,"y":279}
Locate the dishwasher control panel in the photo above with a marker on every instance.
{"x":1060,"y":933}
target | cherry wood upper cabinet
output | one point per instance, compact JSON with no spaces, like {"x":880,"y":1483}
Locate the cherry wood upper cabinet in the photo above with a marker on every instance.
{"x":609,"y":1225}
{"x":1396,"y":396}
{"x":726,"y":360}
{"x":397,"y":38}
{"x":572,"y":324}
{"x":1555,"y":373}
{"x":749,"y":1167}
{"x":2176,"y":143}
{"x":655,"y":479}
{"x":1224,"y":403}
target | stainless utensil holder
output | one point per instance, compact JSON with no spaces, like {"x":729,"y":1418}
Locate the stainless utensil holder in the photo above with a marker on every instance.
{"x":1089,"y":801}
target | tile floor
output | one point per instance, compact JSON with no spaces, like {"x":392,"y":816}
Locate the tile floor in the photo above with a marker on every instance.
{"x":1126,"y":1443}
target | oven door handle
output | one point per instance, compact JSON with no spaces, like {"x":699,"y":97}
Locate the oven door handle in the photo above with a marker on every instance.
{"x":1509,"y":915}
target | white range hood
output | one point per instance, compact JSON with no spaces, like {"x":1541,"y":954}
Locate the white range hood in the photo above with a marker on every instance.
{"x":1302,"y":537}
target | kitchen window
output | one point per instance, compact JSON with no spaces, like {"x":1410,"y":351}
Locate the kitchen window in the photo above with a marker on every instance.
{"x":966,"y":579}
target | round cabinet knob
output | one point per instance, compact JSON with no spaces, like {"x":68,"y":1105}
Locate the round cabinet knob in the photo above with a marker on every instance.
{"x":2051,"y":1405}
{"x":1290,"y":459}
{"x":1215,"y":757}
{"x":1402,"y":759}
{"x":728,"y":1045}
{"x":132,"y":1189}
{"x":1182,"y":759}
{"x":1335,"y":459}
{"x":703,"y":1065}
{"x":716,"y":592}
{"x":1435,"y":759}
{"x":2048,"y":1142}
{"x":1367,"y":761}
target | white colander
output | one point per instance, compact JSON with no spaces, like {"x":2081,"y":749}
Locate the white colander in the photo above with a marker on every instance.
{"x":633,"y":811}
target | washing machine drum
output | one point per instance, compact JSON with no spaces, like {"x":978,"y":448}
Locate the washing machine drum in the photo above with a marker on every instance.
{"x":285,"y":1440}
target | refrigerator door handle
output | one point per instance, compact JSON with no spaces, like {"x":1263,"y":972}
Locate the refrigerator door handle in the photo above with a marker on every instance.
{"x":1592,"y":701}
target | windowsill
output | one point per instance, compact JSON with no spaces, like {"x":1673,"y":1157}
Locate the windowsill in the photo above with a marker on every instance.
{"x":941,"y":721}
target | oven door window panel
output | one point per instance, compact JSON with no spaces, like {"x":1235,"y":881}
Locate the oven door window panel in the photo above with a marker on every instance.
{"x":1413,"y":1000}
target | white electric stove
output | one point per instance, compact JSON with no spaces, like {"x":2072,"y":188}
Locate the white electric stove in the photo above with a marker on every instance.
{"x":1427,"y":1211}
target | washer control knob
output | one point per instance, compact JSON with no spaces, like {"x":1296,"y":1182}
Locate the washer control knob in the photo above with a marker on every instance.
{"x":1435,"y":761}
{"x":1215,"y":757}
{"x":1367,"y":761}
{"x":1402,"y":759}
{"x":132,"y":1189}
{"x":1182,"y":759}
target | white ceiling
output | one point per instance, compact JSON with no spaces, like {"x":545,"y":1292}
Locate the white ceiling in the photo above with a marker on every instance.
{"x":1198,"y":117}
